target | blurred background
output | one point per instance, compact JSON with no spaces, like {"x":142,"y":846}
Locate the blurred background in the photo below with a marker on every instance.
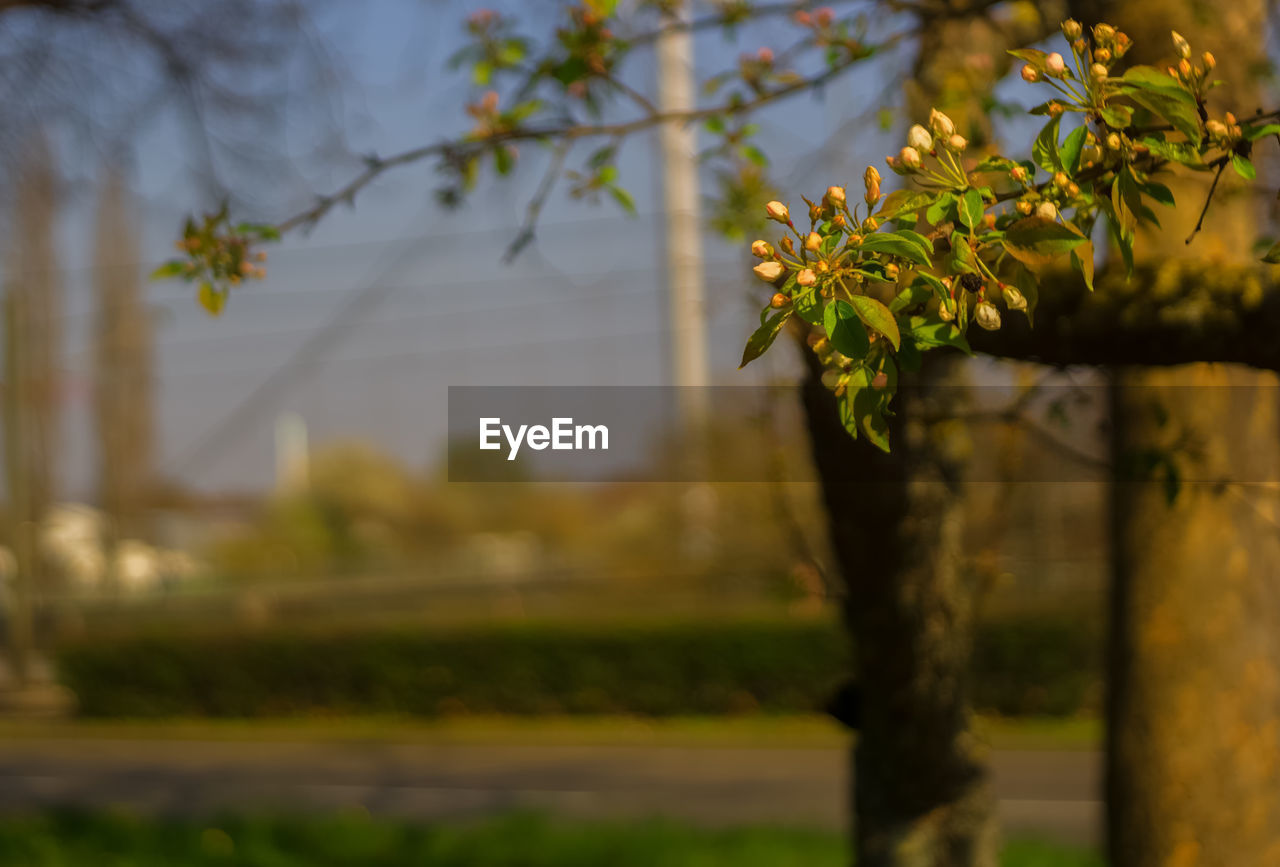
{"x":262,"y":623}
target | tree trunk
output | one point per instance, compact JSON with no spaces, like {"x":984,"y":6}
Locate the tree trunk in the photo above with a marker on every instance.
{"x":920,"y":796}
{"x":1194,"y":723}
{"x":1193,"y":768}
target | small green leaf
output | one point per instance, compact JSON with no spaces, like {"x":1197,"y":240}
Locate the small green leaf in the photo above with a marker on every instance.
{"x":971,"y":208}
{"x":1244,"y":168}
{"x":1037,"y":241}
{"x":1045,"y":148}
{"x":169,"y":270}
{"x":904,"y":201}
{"x":878,"y":317}
{"x":929,"y":332}
{"x":1254,"y":133}
{"x":845,"y":330}
{"x":763,"y":337}
{"x":894,"y":245}
{"x":1072,"y":148}
{"x":211,"y":299}
{"x":623,"y":198}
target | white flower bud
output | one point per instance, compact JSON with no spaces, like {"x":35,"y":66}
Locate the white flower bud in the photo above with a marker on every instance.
{"x":806,"y":278}
{"x":1098,"y":71}
{"x":918,"y":137}
{"x":941,"y":124}
{"x":987,"y":315}
{"x":778,"y":211}
{"x":769,"y":271}
{"x":1014,"y":298}
{"x":909,"y":157}
{"x":762,"y":249}
{"x":835,"y":195}
{"x":1055,"y":65}
{"x":1181,"y":45}
{"x":957,"y":143}
{"x":1047,"y":211}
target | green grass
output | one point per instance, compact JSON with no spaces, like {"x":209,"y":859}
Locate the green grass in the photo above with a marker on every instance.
{"x":751,"y":730}
{"x":114,"y":840}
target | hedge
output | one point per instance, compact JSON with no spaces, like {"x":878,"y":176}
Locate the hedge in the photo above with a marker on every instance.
{"x":1043,"y":666}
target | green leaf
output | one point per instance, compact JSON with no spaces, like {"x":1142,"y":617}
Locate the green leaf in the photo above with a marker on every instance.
{"x":1032,"y":56}
{"x":894,"y":244}
{"x":1082,"y":261}
{"x":961,"y":254}
{"x":1072,"y":148}
{"x":1116,"y":116}
{"x":169,"y":270}
{"x":808,"y":306}
{"x":1256,"y":132}
{"x":845,"y":330}
{"x":878,"y":317}
{"x":937,"y":212}
{"x":1045,"y":148}
{"x":1180,"y":152}
{"x":918,"y":292}
{"x":1162,"y":94}
{"x":1273,"y":255}
{"x":211,"y":299}
{"x":763,"y":337}
{"x":1037,"y":241}
{"x":623,"y":198}
{"x":904,"y":201}
{"x":1029,"y":286}
{"x":971,"y":208}
{"x":929,"y":332}
{"x":1244,"y":168}
{"x":869,"y":412}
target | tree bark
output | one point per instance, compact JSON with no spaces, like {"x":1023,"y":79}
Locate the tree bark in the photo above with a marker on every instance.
{"x":921,"y":796}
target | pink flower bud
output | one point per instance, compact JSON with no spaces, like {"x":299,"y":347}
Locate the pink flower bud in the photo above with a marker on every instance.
{"x":779,"y":300}
{"x":769,"y":271}
{"x":1018,"y":173}
{"x":778,"y":211}
{"x":1055,"y":65}
{"x":761,"y":249}
{"x":806,"y":278}
{"x":957,"y":143}
{"x":910,"y":158}
{"x":813,"y":243}
{"x":1030,"y":74}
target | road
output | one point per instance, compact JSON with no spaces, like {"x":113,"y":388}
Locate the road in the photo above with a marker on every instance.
{"x":1053,"y":793}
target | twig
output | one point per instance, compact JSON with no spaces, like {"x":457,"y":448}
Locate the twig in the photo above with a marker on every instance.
{"x":539,"y":199}
{"x":1222,"y":165}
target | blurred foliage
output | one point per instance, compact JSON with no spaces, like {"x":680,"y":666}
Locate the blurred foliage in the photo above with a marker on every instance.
{"x":1048,"y":665}
{"x":72,"y":839}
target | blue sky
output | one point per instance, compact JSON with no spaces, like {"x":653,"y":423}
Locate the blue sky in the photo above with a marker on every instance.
{"x":584,"y":305}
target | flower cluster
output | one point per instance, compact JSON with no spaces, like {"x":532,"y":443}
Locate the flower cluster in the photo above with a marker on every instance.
{"x":218,"y":255}
{"x":963,"y":243}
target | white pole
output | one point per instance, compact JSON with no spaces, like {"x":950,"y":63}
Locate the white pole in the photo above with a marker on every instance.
{"x":685,"y":285}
